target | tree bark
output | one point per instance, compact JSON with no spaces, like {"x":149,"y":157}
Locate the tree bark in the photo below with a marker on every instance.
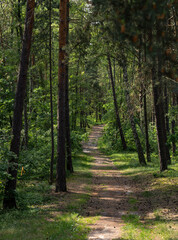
{"x":148,"y":154}
{"x":166,"y":108}
{"x":133,"y":126}
{"x":173,"y":123}
{"x":51,"y":96}
{"x":10,"y":187}
{"x":160,"y":120}
{"x":146,"y":129}
{"x":75,"y":107}
{"x":124,"y":145}
{"x":68,"y":139}
{"x":26,"y":121}
{"x":60,"y":168}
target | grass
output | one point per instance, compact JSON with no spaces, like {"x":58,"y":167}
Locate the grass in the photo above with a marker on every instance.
{"x":127,"y":162}
{"x":44,"y":214}
{"x":39,"y":226}
{"x":136,"y":229}
{"x":154,"y":199}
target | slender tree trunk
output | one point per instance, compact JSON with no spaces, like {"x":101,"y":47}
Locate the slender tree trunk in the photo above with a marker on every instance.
{"x":68,"y":140}
{"x":20,"y":32}
{"x":51,"y":96}
{"x":124,"y":145}
{"x":173,"y":123}
{"x":96,"y":113}
{"x":133,"y":126}
{"x":146,"y":129}
{"x":74,"y":119}
{"x":26,"y":120}
{"x":81,"y":111}
{"x":148,"y":154}
{"x":19,"y":18}
{"x":166,"y":108}
{"x":2,"y":45}
{"x":10,"y":187}
{"x":160,"y":120}
{"x":60,"y":168}
{"x":19,"y":27}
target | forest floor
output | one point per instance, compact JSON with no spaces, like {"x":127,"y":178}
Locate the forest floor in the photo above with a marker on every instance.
{"x":109,"y":197}
{"x":109,"y":192}
{"x":130,"y":205}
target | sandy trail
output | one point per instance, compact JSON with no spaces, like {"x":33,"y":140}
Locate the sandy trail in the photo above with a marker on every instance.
{"x":110,"y":192}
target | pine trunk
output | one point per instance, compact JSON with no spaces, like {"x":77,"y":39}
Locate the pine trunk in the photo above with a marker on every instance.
{"x":146,"y":129}
{"x":132,"y":122}
{"x":124,"y":145}
{"x":160,"y":120}
{"x":166,"y":97}
{"x":68,"y":140}
{"x":173,"y":123}
{"x":148,"y":153}
{"x":10,"y":187}
{"x":60,"y":168}
{"x":51,"y":96}
{"x":26,"y":121}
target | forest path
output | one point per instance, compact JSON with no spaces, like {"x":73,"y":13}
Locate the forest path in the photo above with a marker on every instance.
{"x":110,"y":192}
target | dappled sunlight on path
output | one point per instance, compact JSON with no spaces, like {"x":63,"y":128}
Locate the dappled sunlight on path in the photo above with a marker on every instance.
{"x":110,"y":193}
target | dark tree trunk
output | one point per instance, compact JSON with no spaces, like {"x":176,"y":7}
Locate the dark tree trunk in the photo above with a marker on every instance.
{"x":19,"y":27}
{"x":166,"y":108}
{"x":148,"y":154}
{"x":68,"y":140}
{"x":81,"y":111}
{"x":96,"y":113}
{"x":26,"y":121}
{"x":124,"y":145}
{"x":60,"y":168}
{"x":75,"y":108}
{"x":10,"y":187}
{"x":51,"y":96}
{"x":133,"y":126}
{"x":2,"y":45}
{"x":173,"y":123}
{"x":19,"y":19}
{"x":146,"y":129}
{"x":20,"y":32}
{"x":160,"y":119}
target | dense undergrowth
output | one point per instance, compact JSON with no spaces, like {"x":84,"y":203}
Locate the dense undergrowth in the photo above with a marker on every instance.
{"x":44,"y":214}
{"x":111,"y":141}
{"x":34,"y":162}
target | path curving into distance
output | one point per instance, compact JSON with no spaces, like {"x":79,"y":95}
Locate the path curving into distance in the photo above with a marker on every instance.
{"x":110,"y":192}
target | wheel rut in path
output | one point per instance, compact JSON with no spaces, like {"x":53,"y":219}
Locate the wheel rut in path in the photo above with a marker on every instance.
{"x":109,"y":198}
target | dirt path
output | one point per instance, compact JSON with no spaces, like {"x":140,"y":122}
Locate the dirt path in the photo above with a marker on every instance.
{"x":110,"y":193}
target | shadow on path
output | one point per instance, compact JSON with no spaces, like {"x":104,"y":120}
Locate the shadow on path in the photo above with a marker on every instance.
{"x":107,"y":193}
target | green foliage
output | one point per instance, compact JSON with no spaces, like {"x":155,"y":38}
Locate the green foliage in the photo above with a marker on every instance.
{"x":5,"y":155}
{"x":44,"y":215}
{"x":67,"y":226}
{"x":151,"y":185}
{"x":111,"y":141}
{"x":153,"y":138}
{"x":136,"y":229}
{"x":76,"y":139}
{"x":36,"y":159}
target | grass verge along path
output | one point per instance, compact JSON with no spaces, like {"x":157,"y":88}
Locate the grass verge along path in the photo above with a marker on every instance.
{"x":153,"y":198}
{"x":44,"y":214}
